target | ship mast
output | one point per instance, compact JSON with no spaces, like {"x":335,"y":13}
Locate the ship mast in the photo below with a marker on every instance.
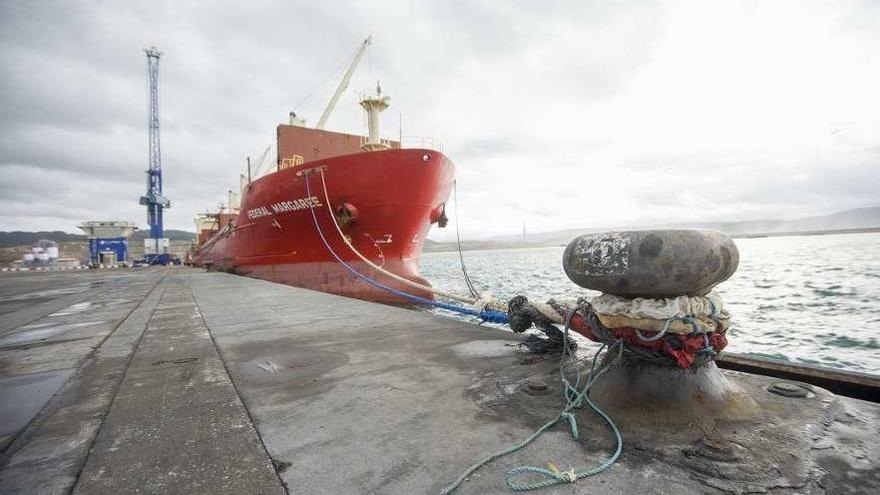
{"x":374,"y":104}
{"x":343,"y":85}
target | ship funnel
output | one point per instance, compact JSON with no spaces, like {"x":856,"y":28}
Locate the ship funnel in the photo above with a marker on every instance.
{"x":374,"y":104}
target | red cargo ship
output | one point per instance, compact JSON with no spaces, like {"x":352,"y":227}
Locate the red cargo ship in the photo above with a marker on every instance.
{"x":384,"y":199}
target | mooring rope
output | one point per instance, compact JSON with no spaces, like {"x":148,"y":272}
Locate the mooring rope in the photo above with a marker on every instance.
{"x":662,"y":357}
{"x":696,"y":348}
{"x":484,"y":314}
{"x":403,"y":280}
{"x":575,"y":398}
{"x":663,"y":347}
{"x":467,"y":279}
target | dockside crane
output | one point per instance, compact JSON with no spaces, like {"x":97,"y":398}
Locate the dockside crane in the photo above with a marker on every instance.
{"x":156,"y":246}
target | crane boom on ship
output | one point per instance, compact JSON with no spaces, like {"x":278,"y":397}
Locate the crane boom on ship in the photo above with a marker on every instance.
{"x":343,"y":84}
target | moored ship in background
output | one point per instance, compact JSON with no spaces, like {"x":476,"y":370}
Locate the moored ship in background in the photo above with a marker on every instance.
{"x":286,"y":227}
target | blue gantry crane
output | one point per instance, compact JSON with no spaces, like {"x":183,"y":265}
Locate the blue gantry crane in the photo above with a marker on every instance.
{"x":156,"y":246}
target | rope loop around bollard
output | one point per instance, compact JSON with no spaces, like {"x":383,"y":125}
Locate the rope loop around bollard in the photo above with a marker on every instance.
{"x":657,"y":337}
{"x":651,"y":354}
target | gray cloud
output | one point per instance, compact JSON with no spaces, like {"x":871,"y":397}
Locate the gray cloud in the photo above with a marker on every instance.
{"x":546,"y":107}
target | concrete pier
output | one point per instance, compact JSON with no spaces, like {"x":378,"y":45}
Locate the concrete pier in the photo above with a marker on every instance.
{"x":172,"y":380}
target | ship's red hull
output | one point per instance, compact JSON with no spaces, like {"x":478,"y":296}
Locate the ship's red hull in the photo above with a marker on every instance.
{"x":395,"y":194}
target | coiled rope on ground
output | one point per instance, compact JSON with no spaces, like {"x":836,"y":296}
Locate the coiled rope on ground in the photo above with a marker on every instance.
{"x":576,"y":396}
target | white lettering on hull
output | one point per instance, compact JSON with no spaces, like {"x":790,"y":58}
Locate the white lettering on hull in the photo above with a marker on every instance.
{"x":284,"y":207}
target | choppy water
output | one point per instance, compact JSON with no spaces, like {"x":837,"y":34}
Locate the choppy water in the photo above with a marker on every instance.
{"x":809,"y":299}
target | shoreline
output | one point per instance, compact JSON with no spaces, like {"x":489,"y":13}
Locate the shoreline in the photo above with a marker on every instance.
{"x":488,"y":245}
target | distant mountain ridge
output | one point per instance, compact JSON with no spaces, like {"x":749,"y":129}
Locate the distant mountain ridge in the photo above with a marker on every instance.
{"x":848,"y":220}
{"x":171,"y":234}
{"x":22,"y":238}
{"x":857,"y":218}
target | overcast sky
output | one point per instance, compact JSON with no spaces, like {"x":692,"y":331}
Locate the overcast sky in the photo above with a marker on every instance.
{"x":556,"y":114}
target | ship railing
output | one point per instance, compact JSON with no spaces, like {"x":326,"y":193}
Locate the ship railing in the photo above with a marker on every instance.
{"x":421,"y":142}
{"x":387,"y":143}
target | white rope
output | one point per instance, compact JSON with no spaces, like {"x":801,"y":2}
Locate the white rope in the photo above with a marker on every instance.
{"x":710,"y":306}
{"x":379,"y":269}
{"x":549,"y":312}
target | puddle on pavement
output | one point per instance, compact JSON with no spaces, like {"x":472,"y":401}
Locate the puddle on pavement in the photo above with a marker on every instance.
{"x":23,"y":397}
{"x":73,"y":309}
{"x":113,"y":302}
{"x":40,"y":332}
{"x":95,"y":305}
{"x":44,"y":294}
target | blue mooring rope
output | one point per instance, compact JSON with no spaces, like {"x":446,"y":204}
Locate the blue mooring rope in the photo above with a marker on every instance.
{"x":489,"y":315}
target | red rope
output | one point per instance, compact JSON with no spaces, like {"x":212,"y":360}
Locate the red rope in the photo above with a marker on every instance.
{"x":683,"y":348}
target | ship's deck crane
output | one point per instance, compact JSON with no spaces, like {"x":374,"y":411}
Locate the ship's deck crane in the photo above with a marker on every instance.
{"x":343,"y":85}
{"x":156,"y":247}
{"x":258,"y":165}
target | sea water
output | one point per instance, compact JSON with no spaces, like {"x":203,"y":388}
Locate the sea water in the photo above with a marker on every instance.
{"x":808,"y":299}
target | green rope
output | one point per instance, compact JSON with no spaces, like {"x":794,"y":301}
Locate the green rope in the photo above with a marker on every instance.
{"x":575,"y":397}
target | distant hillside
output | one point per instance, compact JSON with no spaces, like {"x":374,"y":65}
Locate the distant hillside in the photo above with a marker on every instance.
{"x":20,"y":238}
{"x":174,"y":235}
{"x":66,"y":249}
{"x":859,"y":218}
{"x":14,"y":244}
{"x":433,"y":246}
{"x":849,"y":220}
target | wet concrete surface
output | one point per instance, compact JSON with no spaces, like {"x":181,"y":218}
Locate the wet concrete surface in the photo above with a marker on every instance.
{"x":177,"y":425}
{"x":199,"y":382}
{"x":50,"y":340}
{"x":28,"y":296}
{"x":24,"y":396}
